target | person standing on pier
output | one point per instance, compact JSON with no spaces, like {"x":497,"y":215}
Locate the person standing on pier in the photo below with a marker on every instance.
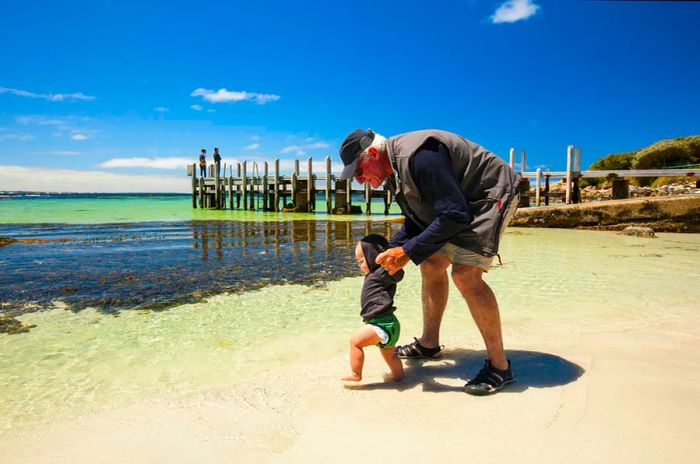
{"x":203,"y":163}
{"x":457,"y":198}
{"x":217,"y":161}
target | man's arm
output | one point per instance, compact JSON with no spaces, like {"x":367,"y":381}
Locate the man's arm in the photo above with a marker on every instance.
{"x":408,"y":230}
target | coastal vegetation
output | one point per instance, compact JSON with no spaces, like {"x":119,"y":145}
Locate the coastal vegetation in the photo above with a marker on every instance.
{"x":670,"y":153}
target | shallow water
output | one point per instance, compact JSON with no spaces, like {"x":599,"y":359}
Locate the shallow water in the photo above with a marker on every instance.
{"x":74,"y":363}
{"x":158,"y":264}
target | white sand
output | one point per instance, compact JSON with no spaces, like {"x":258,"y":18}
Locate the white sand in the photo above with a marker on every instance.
{"x":612,"y":391}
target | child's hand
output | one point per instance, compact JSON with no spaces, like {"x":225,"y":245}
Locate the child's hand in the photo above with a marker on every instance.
{"x":393,"y":259}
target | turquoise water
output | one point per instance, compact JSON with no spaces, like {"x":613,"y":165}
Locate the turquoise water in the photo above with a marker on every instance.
{"x":104,"y":208}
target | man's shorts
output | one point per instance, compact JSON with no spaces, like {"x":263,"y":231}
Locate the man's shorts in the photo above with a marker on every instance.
{"x":387,"y":328}
{"x":458,"y":255}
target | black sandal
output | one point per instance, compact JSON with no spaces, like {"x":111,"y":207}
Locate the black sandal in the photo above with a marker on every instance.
{"x":417,"y":351}
{"x":489,"y":380}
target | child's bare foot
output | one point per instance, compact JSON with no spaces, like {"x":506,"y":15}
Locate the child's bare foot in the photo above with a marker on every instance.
{"x":390,"y":377}
{"x":353,"y":377}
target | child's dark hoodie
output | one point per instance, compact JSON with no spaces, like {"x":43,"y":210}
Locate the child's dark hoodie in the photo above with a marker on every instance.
{"x":379,"y":287}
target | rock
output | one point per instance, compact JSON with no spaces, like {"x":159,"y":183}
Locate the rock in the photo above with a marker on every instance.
{"x":12,"y":326}
{"x":637,"y":231}
{"x":6,"y":241}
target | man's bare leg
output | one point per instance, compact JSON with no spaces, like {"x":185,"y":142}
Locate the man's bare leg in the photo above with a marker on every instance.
{"x":434,"y":291}
{"x":484,"y":309}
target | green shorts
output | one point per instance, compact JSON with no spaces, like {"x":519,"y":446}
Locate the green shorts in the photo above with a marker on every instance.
{"x":389,"y":329}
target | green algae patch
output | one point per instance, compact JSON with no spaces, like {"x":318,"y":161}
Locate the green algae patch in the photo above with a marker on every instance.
{"x":12,"y":326}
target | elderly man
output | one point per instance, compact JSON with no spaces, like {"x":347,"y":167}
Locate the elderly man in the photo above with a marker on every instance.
{"x":457,"y":198}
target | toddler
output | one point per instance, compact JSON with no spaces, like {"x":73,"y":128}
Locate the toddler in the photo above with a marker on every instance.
{"x":377,"y":300}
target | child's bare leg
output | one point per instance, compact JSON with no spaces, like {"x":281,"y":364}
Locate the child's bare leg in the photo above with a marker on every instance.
{"x":393,"y":361}
{"x":366,"y":336}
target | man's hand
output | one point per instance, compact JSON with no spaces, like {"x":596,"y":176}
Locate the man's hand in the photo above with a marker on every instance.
{"x":393,"y":259}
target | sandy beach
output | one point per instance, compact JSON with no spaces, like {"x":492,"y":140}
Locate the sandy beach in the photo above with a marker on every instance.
{"x":614,"y":388}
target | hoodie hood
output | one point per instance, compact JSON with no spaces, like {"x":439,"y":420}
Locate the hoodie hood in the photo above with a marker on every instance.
{"x":372,"y":245}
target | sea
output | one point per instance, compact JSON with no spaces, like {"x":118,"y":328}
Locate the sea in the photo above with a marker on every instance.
{"x":127,"y":297}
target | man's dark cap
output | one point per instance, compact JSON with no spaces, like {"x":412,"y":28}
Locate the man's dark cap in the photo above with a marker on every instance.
{"x":352,"y":147}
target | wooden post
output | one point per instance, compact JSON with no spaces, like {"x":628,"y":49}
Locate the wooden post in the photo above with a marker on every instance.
{"x":294,"y":184}
{"x":230,"y":190}
{"x":538,"y":182}
{"x":569,"y":154}
{"x":201,"y":193}
{"x":546,"y":187}
{"x":328,"y":184}
{"x":310,"y":197}
{"x":244,"y":185}
{"x":194,"y":186}
{"x":266,"y":190}
{"x":524,"y":184}
{"x":620,"y":189}
{"x":368,"y":198}
{"x":277,"y":185}
{"x":512,"y":158}
{"x":217,"y":187}
{"x":238,"y":187}
{"x":577,"y":177}
{"x":251,"y":187}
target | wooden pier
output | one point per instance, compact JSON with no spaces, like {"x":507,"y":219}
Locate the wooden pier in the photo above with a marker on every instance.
{"x":573,"y":175}
{"x":254,"y":188}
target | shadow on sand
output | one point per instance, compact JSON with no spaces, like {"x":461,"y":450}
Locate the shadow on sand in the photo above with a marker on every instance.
{"x":532,"y":369}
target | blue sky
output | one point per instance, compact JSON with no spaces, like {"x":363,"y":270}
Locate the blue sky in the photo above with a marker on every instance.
{"x":128,"y":89}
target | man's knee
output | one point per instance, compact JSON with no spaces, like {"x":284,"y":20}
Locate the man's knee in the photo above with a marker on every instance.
{"x":434,"y":266}
{"x":466,"y":277}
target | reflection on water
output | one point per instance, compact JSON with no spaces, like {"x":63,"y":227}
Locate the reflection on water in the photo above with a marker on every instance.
{"x":123,"y":266}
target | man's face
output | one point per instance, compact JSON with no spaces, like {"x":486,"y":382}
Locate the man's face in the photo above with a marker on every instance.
{"x":371,"y":170}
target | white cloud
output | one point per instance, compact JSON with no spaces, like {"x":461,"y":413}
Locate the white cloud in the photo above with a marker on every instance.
{"x":65,"y":153}
{"x":20,"y":178}
{"x":161,"y":109}
{"x":252,"y":146}
{"x":79,"y":135}
{"x":301,"y":149}
{"x":231,"y":96}
{"x":22,"y":137}
{"x":514,"y":10}
{"x":41,"y":121}
{"x":196,"y":107}
{"x":154,"y":163}
{"x":48,"y":96}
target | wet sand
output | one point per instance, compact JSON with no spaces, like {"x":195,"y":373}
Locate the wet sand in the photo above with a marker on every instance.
{"x":611,"y":387}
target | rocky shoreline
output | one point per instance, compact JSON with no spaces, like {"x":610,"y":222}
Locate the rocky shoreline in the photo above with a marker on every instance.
{"x":677,"y":213}
{"x":592,"y":193}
